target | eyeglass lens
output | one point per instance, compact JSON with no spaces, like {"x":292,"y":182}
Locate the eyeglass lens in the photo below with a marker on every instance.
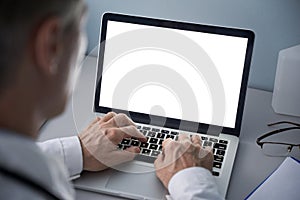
{"x":276,"y":149}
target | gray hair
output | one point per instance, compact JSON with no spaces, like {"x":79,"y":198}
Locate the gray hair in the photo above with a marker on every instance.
{"x":17,"y":20}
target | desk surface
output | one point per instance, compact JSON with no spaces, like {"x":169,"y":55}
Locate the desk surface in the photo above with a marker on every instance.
{"x":251,"y":165}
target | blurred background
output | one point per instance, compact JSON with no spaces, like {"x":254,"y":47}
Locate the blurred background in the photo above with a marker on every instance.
{"x":276,"y":24}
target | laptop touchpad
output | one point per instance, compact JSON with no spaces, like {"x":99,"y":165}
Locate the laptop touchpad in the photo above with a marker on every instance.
{"x":141,"y":184}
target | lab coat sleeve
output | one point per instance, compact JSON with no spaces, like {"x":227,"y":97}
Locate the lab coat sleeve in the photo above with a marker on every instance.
{"x":193,"y":183}
{"x":68,"y":150}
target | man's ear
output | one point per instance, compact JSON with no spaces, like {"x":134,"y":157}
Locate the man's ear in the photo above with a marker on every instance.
{"x":47,"y":45}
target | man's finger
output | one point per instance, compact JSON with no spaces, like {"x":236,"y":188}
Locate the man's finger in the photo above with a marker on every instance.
{"x":182,"y":137}
{"x":122,"y":120}
{"x":205,"y":152}
{"x":116,"y":135}
{"x":132,"y":149}
{"x":172,"y":151}
{"x":166,"y":142}
{"x":131,"y":131}
{"x":119,"y":120}
{"x":208,"y":148}
{"x":107,"y":117}
{"x":196,"y":139}
{"x":158,"y":162}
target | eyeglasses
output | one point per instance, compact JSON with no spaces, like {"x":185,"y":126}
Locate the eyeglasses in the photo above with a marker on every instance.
{"x":278,"y":148}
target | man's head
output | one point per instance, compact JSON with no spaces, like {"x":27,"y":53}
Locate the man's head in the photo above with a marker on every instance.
{"x":39,"y":42}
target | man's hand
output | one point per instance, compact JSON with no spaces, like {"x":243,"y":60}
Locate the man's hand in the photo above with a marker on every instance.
{"x":181,"y":154}
{"x":99,"y":142}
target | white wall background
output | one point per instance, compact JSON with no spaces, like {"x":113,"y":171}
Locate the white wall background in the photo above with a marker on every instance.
{"x":276,"y":24}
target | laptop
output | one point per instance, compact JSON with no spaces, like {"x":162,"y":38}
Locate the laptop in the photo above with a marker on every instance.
{"x":170,"y":78}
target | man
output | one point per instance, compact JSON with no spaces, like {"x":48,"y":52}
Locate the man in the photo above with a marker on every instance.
{"x":40,"y":44}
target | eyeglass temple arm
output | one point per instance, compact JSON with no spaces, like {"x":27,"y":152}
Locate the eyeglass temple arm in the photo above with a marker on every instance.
{"x":258,"y":140}
{"x":283,"y":122}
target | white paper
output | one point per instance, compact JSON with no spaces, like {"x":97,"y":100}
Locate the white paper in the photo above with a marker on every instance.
{"x":284,"y":183}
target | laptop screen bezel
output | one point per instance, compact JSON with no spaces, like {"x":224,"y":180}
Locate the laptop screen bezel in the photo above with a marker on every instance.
{"x":171,"y":122}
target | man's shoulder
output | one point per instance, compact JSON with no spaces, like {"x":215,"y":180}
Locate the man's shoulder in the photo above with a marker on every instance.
{"x":21,"y":156}
{"x":15,"y":189}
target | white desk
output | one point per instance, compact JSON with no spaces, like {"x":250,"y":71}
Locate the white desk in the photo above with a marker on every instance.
{"x":251,"y":166}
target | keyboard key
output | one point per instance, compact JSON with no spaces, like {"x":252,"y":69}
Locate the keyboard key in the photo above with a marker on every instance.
{"x":217,"y":165}
{"x":151,"y":134}
{"x":144,"y":132}
{"x":146,"y":151}
{"x":160,"y":142}
{"x":155,"y":130}
{"x":155,"y":153}
{"x":153,"y":140}
{"x":125,"y":141}
{"x":120,"y":146}
{"x":160,"y":148}
{"x":138,"y":127}
{"x":213,"y":139}
{"x":144,"y":145}
{"x":160,"y":135}
{"x":170,"y":136}
{"x":165,"y":131}
{"x":174,"y":132}
{"x":204,"y":138}
{"x":218,"y":158}
{"x":220,"y":146}
{"x":220,"y":152}
{"x":147,"y":128}
{"x":126,"y":146}
{"x":215,"y":173}
{"x":207,"y":143}
{"x":223,"y":142}
{"x":135,"y":143}
{"x":153,"y":146}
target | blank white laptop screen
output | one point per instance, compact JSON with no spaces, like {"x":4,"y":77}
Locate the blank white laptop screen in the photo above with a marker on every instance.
{"x":227,"y":53}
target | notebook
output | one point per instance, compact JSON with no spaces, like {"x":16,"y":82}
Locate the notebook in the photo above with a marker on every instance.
{"x":283,"y":183}
{"x":170,"y":78}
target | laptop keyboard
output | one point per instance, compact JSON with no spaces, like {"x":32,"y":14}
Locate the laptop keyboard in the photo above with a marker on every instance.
{"x":153,"y":147}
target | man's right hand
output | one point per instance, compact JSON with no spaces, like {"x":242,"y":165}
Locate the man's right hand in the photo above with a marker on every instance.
{"x":178,"y":155}
{"x":99,"y":142}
